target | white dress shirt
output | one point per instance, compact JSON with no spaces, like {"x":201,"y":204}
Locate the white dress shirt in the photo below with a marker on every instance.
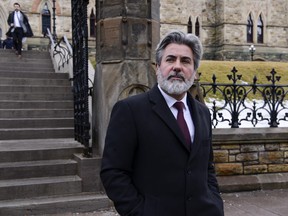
{"x":187,"y":115}
{"x":17,"y":17}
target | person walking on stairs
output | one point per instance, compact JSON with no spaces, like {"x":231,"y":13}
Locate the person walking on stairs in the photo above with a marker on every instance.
{"x":19,"y":28}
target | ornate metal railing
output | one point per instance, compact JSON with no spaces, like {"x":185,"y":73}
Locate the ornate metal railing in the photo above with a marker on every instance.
{"x":80,"y":73}
{"x":238,"y":102}
{"x":61,"y":52}
{"x":64,"y":51}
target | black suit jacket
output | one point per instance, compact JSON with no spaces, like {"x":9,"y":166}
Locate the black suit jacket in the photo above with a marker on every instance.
{"x":147,"y":170}
{"x":27,"y":33}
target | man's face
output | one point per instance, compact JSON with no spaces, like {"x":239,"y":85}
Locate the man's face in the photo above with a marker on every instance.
{"x":176,"y":72}
{"x":17,"y":7}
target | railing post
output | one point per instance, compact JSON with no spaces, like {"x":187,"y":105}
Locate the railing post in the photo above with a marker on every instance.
{"x":80,"y":74}
{"x":54,"y":20}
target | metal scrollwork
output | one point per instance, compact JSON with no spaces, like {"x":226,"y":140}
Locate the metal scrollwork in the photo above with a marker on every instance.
{"x":236,"y":107}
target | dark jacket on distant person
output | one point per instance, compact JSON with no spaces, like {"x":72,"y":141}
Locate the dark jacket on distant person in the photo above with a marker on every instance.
{"x":24,"y":24}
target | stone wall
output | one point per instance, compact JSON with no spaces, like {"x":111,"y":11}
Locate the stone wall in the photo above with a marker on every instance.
{"x":223,"y":26}
{"x":244,"y":151}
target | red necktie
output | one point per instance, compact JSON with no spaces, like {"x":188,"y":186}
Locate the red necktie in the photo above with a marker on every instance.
{"x":182,"y":123}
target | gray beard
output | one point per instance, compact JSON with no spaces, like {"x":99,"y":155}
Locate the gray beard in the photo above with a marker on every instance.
{"x":175,"y":87}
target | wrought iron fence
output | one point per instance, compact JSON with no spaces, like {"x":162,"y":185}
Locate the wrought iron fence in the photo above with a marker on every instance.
{"x":238,"y":102}
{"x":80,"y":73}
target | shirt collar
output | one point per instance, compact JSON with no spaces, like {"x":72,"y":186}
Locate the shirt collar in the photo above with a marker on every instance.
{"x":170,"y":100}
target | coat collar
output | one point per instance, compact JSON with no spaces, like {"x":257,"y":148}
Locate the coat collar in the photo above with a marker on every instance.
{"x":161,"y":108}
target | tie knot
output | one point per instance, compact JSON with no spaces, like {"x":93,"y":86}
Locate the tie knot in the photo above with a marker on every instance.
{"x":179,"y":105}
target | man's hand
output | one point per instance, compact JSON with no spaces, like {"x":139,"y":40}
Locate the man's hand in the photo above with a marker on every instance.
{"x":12,"y":24}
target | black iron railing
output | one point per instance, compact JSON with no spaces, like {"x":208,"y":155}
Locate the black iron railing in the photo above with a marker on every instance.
{"x":80,"y":73}
{"x":238,"y":102}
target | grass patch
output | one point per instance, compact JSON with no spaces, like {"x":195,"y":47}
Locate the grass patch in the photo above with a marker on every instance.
{"x":247,"y":69}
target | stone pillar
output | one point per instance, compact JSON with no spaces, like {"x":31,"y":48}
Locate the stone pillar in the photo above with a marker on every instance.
{"x":127,"y":34}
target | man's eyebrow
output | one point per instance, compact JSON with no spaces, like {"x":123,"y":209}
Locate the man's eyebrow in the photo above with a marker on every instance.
{"x":182,"y":57}
{"x":170,"y":56}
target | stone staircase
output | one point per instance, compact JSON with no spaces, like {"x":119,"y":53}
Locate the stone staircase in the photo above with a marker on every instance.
{"x":42,"y":168}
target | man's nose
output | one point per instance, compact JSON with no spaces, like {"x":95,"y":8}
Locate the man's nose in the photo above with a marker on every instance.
{"x":177,"y":66}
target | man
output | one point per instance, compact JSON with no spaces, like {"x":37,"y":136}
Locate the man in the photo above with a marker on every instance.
{"x":19,"y":27}
{"x":149,"y":166}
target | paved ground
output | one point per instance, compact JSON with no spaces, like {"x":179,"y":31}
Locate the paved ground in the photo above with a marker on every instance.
{"x":255,"y":203}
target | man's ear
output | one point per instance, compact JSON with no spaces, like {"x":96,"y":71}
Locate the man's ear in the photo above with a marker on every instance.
{"x":156,"y":68}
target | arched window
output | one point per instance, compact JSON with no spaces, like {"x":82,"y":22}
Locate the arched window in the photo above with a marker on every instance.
{"x":260,"y":30}
{"x":46,"y":19}
{"x":92,"y":24}
{"x":197,"y":28}
{"x":250,"y":29}
{"x":189,"y":25}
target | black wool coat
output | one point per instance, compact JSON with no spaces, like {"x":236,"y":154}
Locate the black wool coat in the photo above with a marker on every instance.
{"x":147,"y":169}
{"x":27,"y":33}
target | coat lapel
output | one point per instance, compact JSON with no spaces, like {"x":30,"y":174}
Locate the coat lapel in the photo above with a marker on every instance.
{"x":161,"y":108}
{"x":194,"y":110}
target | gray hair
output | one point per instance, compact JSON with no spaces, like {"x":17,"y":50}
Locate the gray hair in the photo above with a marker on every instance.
{"x":179,"y":37}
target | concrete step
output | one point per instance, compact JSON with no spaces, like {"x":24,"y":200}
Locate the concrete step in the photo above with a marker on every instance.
{"x":36,"y":88}
{"x":40,"y":63}
{"x":28,"y":60}
{"x":29,"y":54}
{"x":37,"y":187}
{"x":6,"y":123}
{"x":38,"y":149}
{"x":34,"y":75}
{"x":26,"y":67}
{"x":34,"y":81}
{"x":36,"y":133}
{"x":76,"y":203}
{"x":6,"y":104}
{"x":35,"y":96}
{"x":36,"y":113}
{"x":36,"y":169}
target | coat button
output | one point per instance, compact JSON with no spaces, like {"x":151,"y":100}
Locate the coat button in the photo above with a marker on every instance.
{"x":189,"y":172}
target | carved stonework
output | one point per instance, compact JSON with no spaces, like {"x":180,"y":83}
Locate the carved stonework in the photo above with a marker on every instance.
{"x":127,"y":35}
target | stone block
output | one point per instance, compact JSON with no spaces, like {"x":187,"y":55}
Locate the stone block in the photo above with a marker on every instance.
{"x":271,"y":157}
{"x":226,"y":169}
{"x":247,"y":157}
{"x":230,"y":147}
{"x":273,"y":181}
{"x":232,"y":158}
{"x":221,"y":156}
{"x":252,"y":148}
{"x":89,"y":172}
{"x":238,"y":183}
{"x":278,"y":168}
{"x":248,"y":163}
{"x":272,"y":147}
{"x":234,"y":152}
{"x":284,"y":147}
{"x":255,"y":169}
